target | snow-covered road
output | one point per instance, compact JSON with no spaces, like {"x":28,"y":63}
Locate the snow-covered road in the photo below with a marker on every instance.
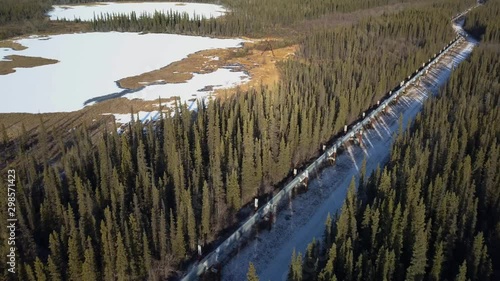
{"x":304,"y":218}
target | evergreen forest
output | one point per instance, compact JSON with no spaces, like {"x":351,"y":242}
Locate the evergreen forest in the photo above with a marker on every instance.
{"x":134,"y":206}
{"x":433,"y":212}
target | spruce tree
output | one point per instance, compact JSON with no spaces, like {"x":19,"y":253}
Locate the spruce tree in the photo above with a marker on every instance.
{"x":89,"y":267}
{"x":205,"y":212}
{"x":146,"y":255}
{"x":295,"y":271}
{"x":233,"y":191}
{"x":74,"y":258}
{"x":252,"y":273}
{"x":108,"y":250}
{"x":416,"y":270}
{"x":122,"y":262}
{"x":462,"y":273}
{"x":437,"y":263}
{"x":40,"y":270}
{"x":56,"y":260}
{"x":53,"y":270}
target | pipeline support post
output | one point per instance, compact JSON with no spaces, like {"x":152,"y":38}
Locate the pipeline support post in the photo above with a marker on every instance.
{"x":305,"y":179}
{"x":372,"y":121}
{"x":360,"y":136}
{"x":332,"y":157}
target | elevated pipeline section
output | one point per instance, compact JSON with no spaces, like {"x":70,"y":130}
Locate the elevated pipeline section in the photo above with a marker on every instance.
{"x":351,"y":132}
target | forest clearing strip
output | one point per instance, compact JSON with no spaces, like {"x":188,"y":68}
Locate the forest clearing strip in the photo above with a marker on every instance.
{"x":305,"y":216}
{"x":297,"y":227}
{"x":245,"y":231}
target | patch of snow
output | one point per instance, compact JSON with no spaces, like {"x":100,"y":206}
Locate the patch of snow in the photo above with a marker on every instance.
{"x":305,"y":216}
{"x":170,"y":104}
{"x":127,"y":117}
{"x":87,"y":12}
{"x":90,"y":63}
{"x":458,"y":25}
{"x":156,"y":81}
{"x":220,"y":79}
{"x":3,"y":57}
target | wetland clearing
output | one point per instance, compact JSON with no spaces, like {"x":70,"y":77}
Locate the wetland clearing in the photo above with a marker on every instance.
{"x":125,"y":70}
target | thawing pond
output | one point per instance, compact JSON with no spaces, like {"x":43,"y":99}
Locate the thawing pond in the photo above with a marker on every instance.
{"x":87,"y":12}
{"x":90,"y":63}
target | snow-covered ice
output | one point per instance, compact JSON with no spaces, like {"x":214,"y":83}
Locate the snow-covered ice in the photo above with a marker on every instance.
{"x":90,"y":63}
{"x":2,"y":52}
{"x":87,"y":12}
{"x":194,"y":88}
{"x":304,"y":219}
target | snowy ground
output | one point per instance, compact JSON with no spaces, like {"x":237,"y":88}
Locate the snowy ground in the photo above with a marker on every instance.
{"x":458,"y":26}
{"x":304,"y":219}
{"x":142,"y":116}
{"x":90,"y":63}
{"x":189,"y":92}
{"x":87,"y":12}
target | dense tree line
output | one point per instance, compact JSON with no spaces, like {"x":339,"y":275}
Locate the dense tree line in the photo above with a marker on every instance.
{"x":21,"y":16}
{"x":248,"y":17}
{"x":169,"y":22}
{"x":17,"y":10}
{"x":65,"y":2}
{"x":245,"y":17}
{"x":475,"y":23}
{"x":433,"y":213}
{"x":335,"y":60}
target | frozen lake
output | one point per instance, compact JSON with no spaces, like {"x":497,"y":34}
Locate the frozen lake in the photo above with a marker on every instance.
{"x":90,"y":63}
{"x":87,"y":12}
